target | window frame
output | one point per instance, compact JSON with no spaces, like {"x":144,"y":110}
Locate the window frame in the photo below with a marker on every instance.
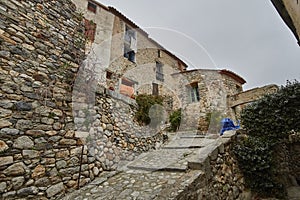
{"x":129,"y":53}
{"x":193,"y":92}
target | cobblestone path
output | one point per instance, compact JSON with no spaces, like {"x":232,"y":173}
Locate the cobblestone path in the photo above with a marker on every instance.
{"x":159,"y":174}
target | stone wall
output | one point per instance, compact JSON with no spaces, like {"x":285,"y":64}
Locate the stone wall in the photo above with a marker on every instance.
{"x":250,"y":95}
{"x":221,"y":178}
{"x":47,"y":145}
{"x":216,"y":176}
{"x":214,"y":88}
{"x":41,"y":48}
{"x":238,"y":101}
{"x":111,"y":134}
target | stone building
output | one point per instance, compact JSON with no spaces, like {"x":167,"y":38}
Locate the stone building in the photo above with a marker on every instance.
{"x":289,"y":10}
{"x":128,"y":62}
{"x":205,"y":97}
{"x":120,"y":50}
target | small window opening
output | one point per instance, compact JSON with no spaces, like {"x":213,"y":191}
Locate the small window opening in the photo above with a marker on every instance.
{"x":155,"y":89}
{"x":239,"y":88}
{"x":109,"y":75}
{"x":130,"y":44}
{"x":92,"y":7}
{"x":129,"y":54}
{"x":159,"y":71}
{"x":127,"y":87}
{"x":194,"y":92}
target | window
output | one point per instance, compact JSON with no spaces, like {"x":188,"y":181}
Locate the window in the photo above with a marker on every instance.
{"x":159,"y":71}
{"x":158,"y":53}
{"x":239,"y":88}
{"x":109,"y":75}
{"x":127,"y":87}
{"x":90,"y":30}
{"x":194,"y":92}
{"x":155,"y":89}
{"x":130,"y":44}
{"x":92,"y":7}
{"x":129,"y":54}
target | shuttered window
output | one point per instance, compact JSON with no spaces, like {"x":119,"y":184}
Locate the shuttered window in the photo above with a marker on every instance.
{"x":90,"y":30}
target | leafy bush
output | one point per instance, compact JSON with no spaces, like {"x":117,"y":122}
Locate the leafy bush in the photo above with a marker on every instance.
{"x":175,"y":119}
{"x":275,"y":115}
{"x":255,"y":159}
{"x":268,"y":122}
{"x":145,"y":102}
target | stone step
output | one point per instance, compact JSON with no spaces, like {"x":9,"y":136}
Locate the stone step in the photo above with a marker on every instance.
{"x":192,"y":136}
{"x":162,"y":159}
{"x":188,"y":142}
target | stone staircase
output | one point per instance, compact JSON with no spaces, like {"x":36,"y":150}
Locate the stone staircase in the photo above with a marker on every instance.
{"x":165,"y":173}
{"x":172,"y":172}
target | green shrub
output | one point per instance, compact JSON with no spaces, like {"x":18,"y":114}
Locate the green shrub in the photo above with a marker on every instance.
{"x":275,"y":115}
{"x":175,"y":119}
{"x":255,"y":159}
{"x":145,"y":102}
{"x":267,"y":122}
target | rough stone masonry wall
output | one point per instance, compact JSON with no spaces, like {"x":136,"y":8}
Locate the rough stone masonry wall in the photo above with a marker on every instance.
{"x":42,"y":45}
{"x":113,"y":136}
{"x":213,"y":92}
{"x":221,"y":177}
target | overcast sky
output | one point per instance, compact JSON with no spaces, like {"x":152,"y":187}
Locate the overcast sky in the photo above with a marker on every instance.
{"x":246,"y":37}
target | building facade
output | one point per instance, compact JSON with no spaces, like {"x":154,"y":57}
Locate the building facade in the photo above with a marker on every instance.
{"x":127,"y":61}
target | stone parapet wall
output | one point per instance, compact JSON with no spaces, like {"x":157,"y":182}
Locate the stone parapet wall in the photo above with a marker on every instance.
{"x":220,"y":177}
{"x":112,"y":134}
{"x":238,"y":101}
{"x":250,"y":95}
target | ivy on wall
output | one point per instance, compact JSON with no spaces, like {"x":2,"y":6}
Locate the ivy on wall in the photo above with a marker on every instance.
{"x":175,"y":119}
{"x":268,"y":123}
{"x":145,"y":102}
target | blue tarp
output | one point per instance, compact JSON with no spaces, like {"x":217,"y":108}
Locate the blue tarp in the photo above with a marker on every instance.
{"x":227,"y":125}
